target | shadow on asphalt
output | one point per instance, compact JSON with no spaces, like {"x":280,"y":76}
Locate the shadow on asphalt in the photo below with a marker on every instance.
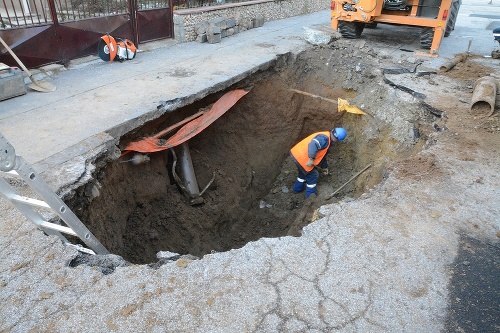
{"x":474,"y":294}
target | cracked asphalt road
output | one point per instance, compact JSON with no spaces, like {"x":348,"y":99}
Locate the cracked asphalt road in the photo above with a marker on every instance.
{"x":368,"y":265}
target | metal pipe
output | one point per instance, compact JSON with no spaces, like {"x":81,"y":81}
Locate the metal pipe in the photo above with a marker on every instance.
{"x":484,"y":95}
{"x":187,"y":170}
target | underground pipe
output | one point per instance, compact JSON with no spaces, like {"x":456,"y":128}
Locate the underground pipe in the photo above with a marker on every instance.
{"x":484,"y":95}
{"x":461,"y":57}
{"x":187,"y":170}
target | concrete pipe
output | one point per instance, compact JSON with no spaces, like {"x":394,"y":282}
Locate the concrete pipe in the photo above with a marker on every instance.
{"x":483,"y":96}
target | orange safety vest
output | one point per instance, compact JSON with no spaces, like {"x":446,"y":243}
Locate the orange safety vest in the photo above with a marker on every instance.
{"x":299,"y":151}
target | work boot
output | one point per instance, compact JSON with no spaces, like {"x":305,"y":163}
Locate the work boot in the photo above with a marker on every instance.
{"x":298,"y":186}
{"x":310,"y":191}
{"x":311,"y":196}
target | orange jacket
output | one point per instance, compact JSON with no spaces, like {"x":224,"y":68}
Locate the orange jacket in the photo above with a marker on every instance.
{"x":299,"y":151}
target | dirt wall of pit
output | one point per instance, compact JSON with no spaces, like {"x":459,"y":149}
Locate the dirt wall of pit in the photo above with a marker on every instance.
{"x":138,"y":210}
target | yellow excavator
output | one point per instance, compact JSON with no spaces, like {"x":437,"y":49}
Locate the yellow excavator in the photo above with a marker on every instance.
{"x":435,"y":18}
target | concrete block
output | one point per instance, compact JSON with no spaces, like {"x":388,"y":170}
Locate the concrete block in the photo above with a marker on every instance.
{"x":213,"y":39}
{"x":201,"y":28}
{"x":212,"y":30}
{"x":52,"y":69}
{"x":218,"y":22}
{"x":259,"y":21}
{"x":246,"y":23}
{"x":179,"y":34}
{"x":230,"y":32}
{"x":179,"y":29}
{"x":316,"y":37}
{"x":230,"y":23}
{"x":83,"y":60}
{"x":11,"y":83}
{"x":55,"y":68}
{"x":178,"y":19}
{"x":223,"y":33}
{"x":201,"y":38}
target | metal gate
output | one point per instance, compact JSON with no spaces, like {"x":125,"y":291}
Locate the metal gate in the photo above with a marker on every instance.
{"x":153,"y":19}
{"x":55,"y":31}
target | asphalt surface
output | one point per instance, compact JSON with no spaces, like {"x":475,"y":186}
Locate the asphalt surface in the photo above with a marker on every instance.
{"x":476,"y":272}
{"x":357,"y":269}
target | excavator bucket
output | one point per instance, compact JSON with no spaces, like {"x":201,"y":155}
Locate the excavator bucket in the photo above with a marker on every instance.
{"x":153,"y":144}
{"x":345,"y":106}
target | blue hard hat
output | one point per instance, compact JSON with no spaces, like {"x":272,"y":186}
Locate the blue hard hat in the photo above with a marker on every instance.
{"x":339,"y":133}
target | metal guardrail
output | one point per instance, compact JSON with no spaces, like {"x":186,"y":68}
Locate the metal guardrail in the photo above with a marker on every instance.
{"x":25,"y":13}
{"x":18,"y":13}
{"x":186,"y":4}
{"x":73,"y":10}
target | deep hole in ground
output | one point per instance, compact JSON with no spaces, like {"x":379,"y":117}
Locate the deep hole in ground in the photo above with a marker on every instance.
{"x":137,"y":210}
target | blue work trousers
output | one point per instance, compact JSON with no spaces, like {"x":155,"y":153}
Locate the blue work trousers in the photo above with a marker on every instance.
{"x":307,"y":180}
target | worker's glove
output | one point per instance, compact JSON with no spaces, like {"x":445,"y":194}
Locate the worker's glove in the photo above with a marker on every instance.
{"x":324,"y":171}
{"x":310,"y":163}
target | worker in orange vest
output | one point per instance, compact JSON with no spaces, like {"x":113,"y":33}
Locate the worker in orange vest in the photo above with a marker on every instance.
{"x":310,"y":155}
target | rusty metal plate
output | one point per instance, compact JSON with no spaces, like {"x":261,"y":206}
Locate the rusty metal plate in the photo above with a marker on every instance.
{"x":154,"y":24}
{"x":38,"y":46}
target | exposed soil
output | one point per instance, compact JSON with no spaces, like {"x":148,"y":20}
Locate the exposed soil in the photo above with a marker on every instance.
{"x":137,"y":210}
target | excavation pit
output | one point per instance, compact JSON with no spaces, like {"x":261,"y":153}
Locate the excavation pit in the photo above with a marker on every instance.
{"x":138,"y":210}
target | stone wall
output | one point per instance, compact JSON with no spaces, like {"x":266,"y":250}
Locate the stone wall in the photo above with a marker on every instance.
{"x":186,"y":20}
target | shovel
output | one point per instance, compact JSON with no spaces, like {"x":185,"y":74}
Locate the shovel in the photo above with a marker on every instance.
{"x":38,"y":86}
{"x":343,"y":105}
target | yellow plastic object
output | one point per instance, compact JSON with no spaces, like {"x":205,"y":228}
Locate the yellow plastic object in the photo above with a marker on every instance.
{"x":345,"y":106}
